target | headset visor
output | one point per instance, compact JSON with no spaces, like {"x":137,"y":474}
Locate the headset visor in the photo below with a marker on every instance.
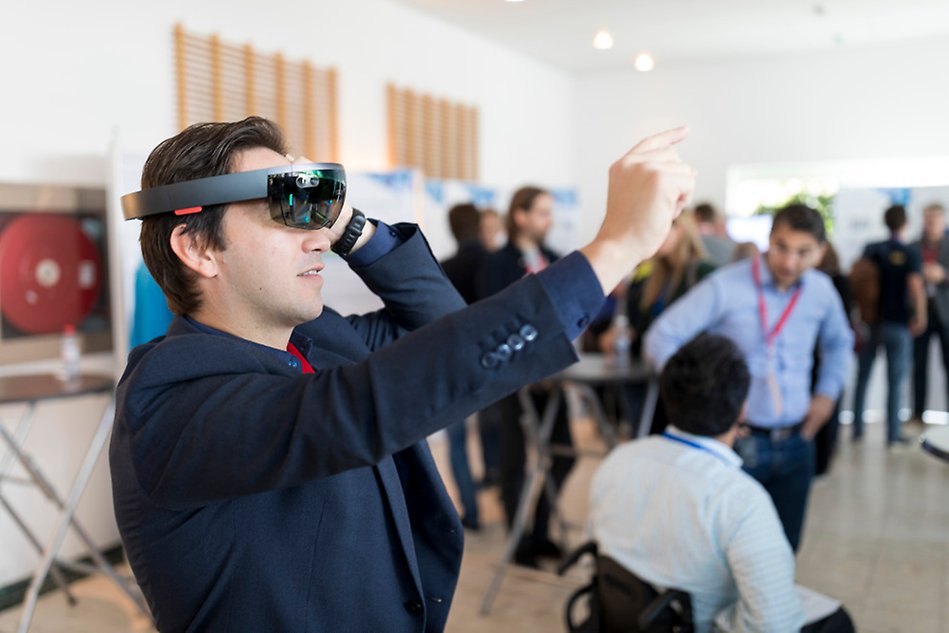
{"x":306,"y":196}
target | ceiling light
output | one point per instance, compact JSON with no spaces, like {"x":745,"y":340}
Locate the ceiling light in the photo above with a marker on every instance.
{"x":644,"y":62}
{"x":515,"y":0}
{"x":602,"y":40}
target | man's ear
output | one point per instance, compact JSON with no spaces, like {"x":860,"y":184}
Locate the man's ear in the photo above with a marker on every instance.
{"x":196,"y":256}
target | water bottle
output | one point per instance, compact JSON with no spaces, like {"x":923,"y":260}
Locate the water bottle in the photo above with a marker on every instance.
{"x":622,"y":340}
{"x":70,"y":355}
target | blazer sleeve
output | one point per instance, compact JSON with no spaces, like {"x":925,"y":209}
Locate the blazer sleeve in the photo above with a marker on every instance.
{"x":413,"y":287}
{"x":203,"y":424}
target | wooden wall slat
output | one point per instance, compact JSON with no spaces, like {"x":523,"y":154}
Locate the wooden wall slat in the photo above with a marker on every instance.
{"x":220,"y":81}
{"x":437,"y":136}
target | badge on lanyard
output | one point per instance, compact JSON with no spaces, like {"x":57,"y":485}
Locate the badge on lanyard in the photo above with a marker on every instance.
{"x":770,"y":338}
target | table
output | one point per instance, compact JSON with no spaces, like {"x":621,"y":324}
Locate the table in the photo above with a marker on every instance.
{"x":592,"y":370}
{"x":936,"y":442}
{"x":30,"y":390}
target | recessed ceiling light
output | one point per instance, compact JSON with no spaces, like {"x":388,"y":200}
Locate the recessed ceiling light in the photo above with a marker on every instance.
{"x":515,"y":0}
{"x":602,"y":40}
{"x":644,"y":62}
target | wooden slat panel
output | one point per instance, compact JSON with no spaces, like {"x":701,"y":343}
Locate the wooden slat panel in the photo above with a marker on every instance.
{"x":218,"y":81}
{"x":181,"y":76}
{"x":332,"y":115}
{"x":250,"y":87}
{"x":438,"y":136}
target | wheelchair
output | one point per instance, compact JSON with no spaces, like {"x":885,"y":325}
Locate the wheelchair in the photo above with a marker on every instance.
{"x":619,"y":601}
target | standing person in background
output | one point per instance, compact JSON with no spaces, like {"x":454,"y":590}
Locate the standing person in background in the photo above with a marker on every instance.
{"x":679,"y":265}
{"x":491,"y":233}
{"x":825,"y":442}
{"x":902,"y":315}
{"x":491,"y":230}
{"x":461,"y":270}
{"x":529,"y":219}
{"x":776,"y":309}
{"x":933,"y":250}
{"x":718,"y":245}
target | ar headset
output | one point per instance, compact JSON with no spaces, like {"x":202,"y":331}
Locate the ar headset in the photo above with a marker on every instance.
{"x":304,"y":196}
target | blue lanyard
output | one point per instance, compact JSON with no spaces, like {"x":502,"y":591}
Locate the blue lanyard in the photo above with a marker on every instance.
{"x":682,"y":440}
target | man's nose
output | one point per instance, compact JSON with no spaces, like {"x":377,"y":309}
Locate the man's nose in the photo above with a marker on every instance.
{"x":318,"y":240}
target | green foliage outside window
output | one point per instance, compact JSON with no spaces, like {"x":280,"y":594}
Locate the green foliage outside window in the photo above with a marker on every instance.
{"x":824,"y":204}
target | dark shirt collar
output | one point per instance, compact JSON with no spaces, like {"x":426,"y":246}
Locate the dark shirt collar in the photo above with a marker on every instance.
{"x":301,"y":342}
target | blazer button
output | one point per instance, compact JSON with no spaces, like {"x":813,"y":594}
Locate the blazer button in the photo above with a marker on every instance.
{"x":504,"y":352}
{"x":413,"y":606}
{"x":490,"y":360}
{"x":516,"y":342}
{"x":528,"y":332}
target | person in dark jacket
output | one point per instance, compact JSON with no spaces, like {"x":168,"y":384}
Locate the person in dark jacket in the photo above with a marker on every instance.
{"x":462,"y":270}
{"x":529,"y":219}
{"x":268,"y":460}
{"x":933,"y":250}
{"x":825,"y":442}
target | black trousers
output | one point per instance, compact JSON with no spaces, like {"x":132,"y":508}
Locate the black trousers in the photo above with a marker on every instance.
{"x":921,"y":359}
{"x":514,"y":458}
{"x":837,"y":622}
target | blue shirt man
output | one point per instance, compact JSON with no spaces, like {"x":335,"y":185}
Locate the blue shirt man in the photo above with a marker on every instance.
{"x":776,"y":309}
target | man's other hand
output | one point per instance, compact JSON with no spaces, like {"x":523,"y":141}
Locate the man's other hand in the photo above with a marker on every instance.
{"x":818,"y":413}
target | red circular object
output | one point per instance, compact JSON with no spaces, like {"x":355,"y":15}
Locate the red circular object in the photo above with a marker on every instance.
{"x":50,"y":272}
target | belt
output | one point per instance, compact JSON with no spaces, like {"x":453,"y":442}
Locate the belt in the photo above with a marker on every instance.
{"x":777,"y":434}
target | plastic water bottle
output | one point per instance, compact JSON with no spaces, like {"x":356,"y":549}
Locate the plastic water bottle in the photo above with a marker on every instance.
{"x":622,"y":340}
{"x":70,"y":354}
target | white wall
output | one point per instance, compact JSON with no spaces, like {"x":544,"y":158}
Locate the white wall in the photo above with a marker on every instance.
{"x":74,"y":72}
{"x":883,"y":102}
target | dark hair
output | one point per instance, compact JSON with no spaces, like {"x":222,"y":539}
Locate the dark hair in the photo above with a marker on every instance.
{"x":200,"y":151}
{"x":895,"y":217}
{"x":464,"y":220}
{"x":704,"y":385}
{"x":830,"y":263}
{"x":800,"y":217}
{"x":522,"y":200}
{"x":705,"y":212}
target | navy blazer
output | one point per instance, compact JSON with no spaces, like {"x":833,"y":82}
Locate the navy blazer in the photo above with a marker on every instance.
{"x":251,"y":497}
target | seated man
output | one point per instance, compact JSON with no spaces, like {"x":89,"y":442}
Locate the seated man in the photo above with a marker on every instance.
{"x":678,"y":511}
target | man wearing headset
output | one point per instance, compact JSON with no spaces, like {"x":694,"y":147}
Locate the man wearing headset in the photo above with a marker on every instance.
{"x":268,"y":464}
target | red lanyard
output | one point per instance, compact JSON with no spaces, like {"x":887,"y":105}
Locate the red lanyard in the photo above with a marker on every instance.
{"x":305,"y":366}
{"x":763,"y":310}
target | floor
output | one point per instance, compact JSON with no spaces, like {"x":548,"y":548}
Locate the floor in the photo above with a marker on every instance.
{"x":877,"y":537}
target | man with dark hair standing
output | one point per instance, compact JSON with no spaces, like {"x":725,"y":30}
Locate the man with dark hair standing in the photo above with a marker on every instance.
{"x":776,"y":308}
{"x":268,"y":465}
{"x":933,"y":250}
{"x":462,"y":267}
{"x":462,"y":270}
{"x":529,"y":219}
{"x":902,"y":315}
{"x":677,"y":510}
